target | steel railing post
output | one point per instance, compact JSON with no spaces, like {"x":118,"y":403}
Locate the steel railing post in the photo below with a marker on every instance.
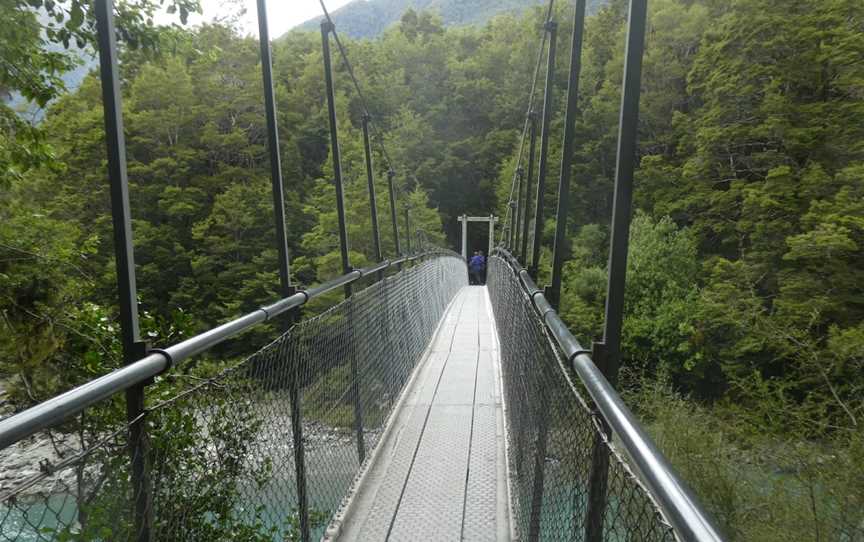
{"x":542,"y":424}
{"x":133,"y":347}
{"x":273,"y":150}
{"x":393,"y":222}
{"x":388,"y":334}
{"x":563,"y":210}
{"x":511,"y":233}
{"x":326,"y":28}
{"x":598,"y":479}
{"x":286,"y":288}
{"x":526,"y":217}
{"x":552,"y":28}
{"x":517,"y":212}
{"x":491,"y":235}
{"x":607,"y":354}
{"x":295,"y":386}
{"x":623,"y":197}
{"x":355,"y":385}
{"x":408,"y":228}
{"x":373,"y":203}
{"x":464,"y":223}
{"x":517,"y":216}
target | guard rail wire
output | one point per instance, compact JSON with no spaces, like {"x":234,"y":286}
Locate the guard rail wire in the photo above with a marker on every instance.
{"x":221,"y":461}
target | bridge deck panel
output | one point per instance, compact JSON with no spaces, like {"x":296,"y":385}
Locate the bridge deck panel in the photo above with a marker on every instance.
{"x":440,"y":471}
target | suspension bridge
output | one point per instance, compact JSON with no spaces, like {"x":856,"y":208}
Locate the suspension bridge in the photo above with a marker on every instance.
{"x":418,"y":408}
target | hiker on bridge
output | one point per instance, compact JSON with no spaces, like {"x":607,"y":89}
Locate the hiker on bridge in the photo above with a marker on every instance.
{"x":477,"y":268}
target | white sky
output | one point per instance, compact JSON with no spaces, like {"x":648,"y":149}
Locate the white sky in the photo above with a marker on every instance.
{"x":282,"y":15}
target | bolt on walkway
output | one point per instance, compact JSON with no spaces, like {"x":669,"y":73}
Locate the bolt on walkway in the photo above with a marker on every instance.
{"x":440,"y":471}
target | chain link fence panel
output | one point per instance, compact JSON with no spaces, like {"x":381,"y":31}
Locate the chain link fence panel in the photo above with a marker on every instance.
{"x":555,"y":437}
{"x":221,"y":456}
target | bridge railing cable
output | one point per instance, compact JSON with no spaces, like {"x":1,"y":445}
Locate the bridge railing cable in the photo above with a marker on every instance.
{"x":511,"y":213}
{"x":559,"y":406}
{"x":73,"y":402}
{"x":350,"y":69}
{"x":369,"y":127}
{"x":220,"y":439}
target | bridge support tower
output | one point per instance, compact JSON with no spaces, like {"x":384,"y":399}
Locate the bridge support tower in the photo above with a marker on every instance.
{"x":465,"y":219}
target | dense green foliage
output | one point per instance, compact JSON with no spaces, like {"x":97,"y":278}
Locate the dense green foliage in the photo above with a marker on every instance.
{"x":746,"y":275}
{"x":744,"y":279}
{"x":35,"y":53}
{"x":745,"y":272}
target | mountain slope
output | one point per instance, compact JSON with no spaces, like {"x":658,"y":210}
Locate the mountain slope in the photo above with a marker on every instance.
{"x":369,"y":18}
{"x":86,"y":58}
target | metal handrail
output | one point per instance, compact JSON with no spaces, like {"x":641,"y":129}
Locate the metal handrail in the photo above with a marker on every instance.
{"x":74,"y":401}
{"x":677,"y":503}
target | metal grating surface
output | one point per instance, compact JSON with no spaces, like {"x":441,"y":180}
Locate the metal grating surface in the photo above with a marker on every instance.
{"x":431,"y":507}
{"x":481,"y":499}
{"x":440,"y":473}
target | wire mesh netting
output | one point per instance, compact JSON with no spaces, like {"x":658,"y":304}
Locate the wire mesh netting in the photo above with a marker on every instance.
{"x":221,"y":455}
{"x":555,"y":438}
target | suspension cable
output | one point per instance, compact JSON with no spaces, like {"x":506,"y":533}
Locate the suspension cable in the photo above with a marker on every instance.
{"x":376,"y":135}
{"x":526,"y":124}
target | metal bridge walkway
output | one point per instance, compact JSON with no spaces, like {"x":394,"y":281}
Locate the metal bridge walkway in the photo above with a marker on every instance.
{"x":440,"y":470}
{"x":412,"y":369}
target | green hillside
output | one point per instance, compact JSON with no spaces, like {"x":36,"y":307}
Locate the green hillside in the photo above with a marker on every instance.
{"x":369,"y":18}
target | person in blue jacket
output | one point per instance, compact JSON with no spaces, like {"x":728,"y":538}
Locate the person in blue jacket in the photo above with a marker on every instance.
{"x":477,"y":268}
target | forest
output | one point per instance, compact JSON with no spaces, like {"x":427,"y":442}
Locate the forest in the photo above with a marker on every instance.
{"x":744,"y":320}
